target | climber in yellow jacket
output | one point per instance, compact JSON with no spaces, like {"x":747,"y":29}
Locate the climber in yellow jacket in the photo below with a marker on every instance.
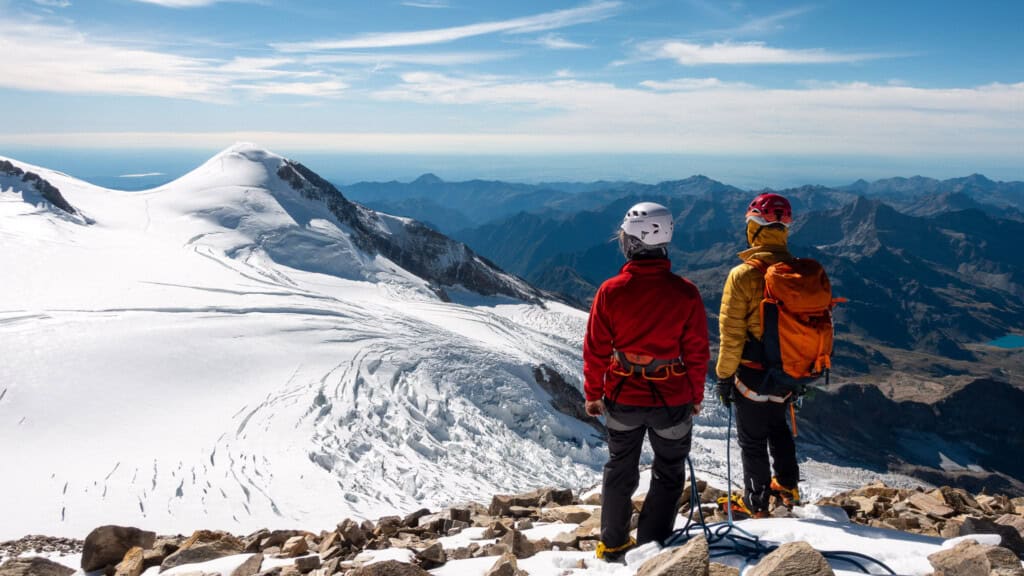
{"x":760,"y":424}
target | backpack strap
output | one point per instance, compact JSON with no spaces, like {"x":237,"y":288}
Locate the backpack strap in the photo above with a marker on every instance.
{"x":759,"y":264}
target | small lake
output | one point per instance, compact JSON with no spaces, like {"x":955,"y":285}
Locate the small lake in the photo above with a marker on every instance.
{"x":1011,"y":341}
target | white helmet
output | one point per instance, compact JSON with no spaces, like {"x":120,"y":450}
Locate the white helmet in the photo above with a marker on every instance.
{"x":649,"y":223}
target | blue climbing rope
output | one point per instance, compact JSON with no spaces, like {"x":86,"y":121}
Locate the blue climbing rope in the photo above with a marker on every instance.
{"x":728,"y":539}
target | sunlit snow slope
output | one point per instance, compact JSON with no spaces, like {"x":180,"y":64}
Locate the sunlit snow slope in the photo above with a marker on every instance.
{"x":225,"y":351}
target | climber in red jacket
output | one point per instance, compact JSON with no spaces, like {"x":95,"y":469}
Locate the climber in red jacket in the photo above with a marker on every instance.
{"x":645,"y":357}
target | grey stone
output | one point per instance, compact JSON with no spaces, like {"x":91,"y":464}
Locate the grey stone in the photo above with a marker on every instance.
{"x":389,"y":568}
{"x":432,"y":556}
{"x":793,"y":559}
{"x":1011,"y":537}
{"x":506,"y":565}
{"x":203,"y":552}
{"x":36,"y":566}
{"x":250,"y":567}
{"x":691,"y":559}
{"x":969,"y":558}
{"x":307,"y":563}
{"x":518,"y":544}
{"x":353,"y":533}
{"x":107,"y":545}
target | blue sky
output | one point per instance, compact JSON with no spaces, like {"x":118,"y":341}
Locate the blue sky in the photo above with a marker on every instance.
{"x":760,"y":91}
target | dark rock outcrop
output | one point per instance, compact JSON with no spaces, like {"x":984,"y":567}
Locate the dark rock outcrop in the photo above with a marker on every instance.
{"x":565,"y":397}
{"x":34,"y":567}
{"x":107,"y":545}
{"x":45,"y":189}
{"x":418,"y":248}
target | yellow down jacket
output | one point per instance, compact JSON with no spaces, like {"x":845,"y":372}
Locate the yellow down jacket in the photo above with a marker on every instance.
{"x":740,"y":313}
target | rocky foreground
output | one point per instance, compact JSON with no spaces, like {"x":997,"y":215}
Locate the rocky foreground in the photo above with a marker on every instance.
{"x":411,"y":545}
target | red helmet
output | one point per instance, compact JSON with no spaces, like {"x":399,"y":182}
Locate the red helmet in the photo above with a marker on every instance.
{"x":770,"y":208}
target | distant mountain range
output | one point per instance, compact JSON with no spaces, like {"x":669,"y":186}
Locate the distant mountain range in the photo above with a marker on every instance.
{"x":930,"y":266}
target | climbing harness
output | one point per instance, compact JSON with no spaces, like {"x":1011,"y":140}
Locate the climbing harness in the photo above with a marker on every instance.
{"x":726,"y":538}
{"x":628,"y":364}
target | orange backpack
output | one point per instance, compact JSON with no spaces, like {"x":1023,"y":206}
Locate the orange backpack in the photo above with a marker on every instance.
{"x":796,"y":314}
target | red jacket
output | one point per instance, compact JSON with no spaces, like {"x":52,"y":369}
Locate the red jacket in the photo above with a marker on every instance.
{"x":646,"y":309}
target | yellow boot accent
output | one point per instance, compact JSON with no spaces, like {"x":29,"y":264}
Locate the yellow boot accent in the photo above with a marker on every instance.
{"x":612,"y":554}
{"x":790,"y":496}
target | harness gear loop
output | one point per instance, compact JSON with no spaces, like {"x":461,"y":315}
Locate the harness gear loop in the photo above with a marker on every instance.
{"x":754,"y":396}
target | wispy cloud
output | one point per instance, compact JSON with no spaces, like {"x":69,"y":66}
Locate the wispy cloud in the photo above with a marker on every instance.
{"x":60,"y":59}
{"x":384,"y":59}
{"x":685,"y":84}
{"x":759,"y":26}
{"x":426,"y":3}
{"x":692,"y":54}
{"x":181,"y":3}
{"x":53,"y":3}
{"x":592,"y":12}
{"x":556,"y":42}
{"x":141,"y":175}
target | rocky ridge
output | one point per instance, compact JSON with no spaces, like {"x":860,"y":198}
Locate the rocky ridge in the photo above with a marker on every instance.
{"x":355,"y":548}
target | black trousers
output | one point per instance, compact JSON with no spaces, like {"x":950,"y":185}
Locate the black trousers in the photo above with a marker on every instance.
{"x":669,"y":430}
{"x":761,"y":428}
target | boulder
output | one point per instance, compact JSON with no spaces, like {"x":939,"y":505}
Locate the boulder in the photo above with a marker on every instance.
{"x":506,"y":565}
{"x":389,"y":568}
{"x":1012,"y":520}
{"x":1011,"y":538}
{"x":570,"y":514}
{"x":518,"y":544}
{"x":793,"y":559}
{"x":413,"y":519}
{"x":691,"y":559}
{"x":36,"y":566}
{"x":388,"y":526}
{"x":307,"y":564}
{"x":131,"y":564}
{"x":250,"y":567}
{"x":107,"y":545}
{"x":294,"y":547}
{"x":432,"y":556}
{"x":201,"y":552}
{"x":930,"y":505}
{"x":354,"y":534}
{"x":969,"y":558}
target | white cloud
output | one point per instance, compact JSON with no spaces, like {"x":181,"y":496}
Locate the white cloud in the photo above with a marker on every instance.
{"x":682,"y":84}
{"x":420,"y":58}
{"x":708,"y":116}
{"x":691,"y":54}
{"x":180,"y":3}
{"x":60,"y":59}
{"x":53,"y":3}
{"x":556,"y":42}
{"x":426,"y":3}
{"x":537,"y":23}
{"x":761,"y":25}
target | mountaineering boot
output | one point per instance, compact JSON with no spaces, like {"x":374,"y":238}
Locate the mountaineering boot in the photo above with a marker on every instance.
{"x":790,"y":496}
{"x":616,"y":554}
{"x":740,"y":509}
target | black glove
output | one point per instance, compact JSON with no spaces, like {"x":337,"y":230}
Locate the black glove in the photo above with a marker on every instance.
{"x":726,"y":387}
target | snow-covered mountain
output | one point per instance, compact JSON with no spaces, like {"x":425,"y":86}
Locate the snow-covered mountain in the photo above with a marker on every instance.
{"x":244,"y":347}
